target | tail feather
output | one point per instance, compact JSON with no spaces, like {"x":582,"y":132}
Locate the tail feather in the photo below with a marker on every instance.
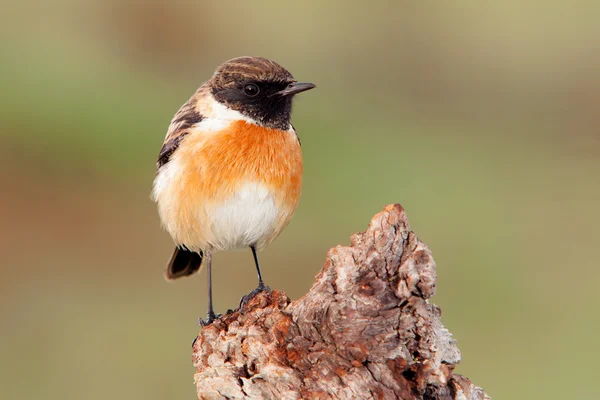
{"x":183,"y":263}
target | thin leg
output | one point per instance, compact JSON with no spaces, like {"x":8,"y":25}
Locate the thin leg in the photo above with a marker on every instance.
{"x":211,"y":312}
{"x":261,"y":284}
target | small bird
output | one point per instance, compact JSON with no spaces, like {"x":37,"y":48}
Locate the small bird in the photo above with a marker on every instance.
{"x":229,"y":173}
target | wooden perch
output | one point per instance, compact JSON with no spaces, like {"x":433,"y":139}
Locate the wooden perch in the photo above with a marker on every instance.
{"x":364,"y":330}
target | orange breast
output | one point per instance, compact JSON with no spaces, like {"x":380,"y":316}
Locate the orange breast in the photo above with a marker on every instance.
{"x":240,"y":153}
{"x":210,"y":169}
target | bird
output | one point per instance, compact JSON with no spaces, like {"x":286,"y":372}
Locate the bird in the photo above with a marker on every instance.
{"x":229,"y":172}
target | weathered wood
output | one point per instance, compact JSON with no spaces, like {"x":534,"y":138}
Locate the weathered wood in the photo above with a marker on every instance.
{"x":364,"y":330}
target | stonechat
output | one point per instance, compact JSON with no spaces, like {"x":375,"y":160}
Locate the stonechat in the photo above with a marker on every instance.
{"x":229,"y":172}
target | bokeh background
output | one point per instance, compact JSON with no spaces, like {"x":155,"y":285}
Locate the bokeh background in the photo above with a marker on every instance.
{"x":481,"y":118}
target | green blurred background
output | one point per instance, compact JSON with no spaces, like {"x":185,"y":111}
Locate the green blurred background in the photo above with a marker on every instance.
{"x":481,"y":118}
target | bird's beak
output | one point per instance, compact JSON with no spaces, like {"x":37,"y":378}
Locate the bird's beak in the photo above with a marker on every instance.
{"x":295,"y":88}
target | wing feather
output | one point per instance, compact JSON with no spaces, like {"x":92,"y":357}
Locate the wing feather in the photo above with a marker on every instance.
{"x":184,"y":119}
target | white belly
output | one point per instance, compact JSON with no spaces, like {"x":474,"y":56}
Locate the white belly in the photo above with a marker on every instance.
{"x":247,"y":218}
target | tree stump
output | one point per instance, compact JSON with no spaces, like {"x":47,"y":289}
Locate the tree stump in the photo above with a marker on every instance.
{"x":364,"y":330}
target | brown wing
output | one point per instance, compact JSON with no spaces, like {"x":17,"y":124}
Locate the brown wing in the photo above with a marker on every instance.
{"x":168,"y":148}
{"x":185,"y":118}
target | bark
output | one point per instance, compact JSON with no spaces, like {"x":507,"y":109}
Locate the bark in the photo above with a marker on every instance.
{"x":364,"y":330}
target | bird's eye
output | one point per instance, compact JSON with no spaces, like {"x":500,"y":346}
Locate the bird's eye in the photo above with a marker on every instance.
{"x":251,"y":90}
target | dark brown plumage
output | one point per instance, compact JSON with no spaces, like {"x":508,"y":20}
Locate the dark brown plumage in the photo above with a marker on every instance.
{"x":243,"y":69}
{"x":183,"y":263}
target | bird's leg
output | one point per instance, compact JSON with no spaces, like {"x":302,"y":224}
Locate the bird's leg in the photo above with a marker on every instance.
{"x":261,"y":285}
{"x":211,"y":313}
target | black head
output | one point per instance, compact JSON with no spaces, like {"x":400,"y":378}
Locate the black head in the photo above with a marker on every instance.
{"x":258,"y":88}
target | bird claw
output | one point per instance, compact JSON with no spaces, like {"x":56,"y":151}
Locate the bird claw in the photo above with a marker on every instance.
{"x":246,"y":299}
{"x":210,"y":318}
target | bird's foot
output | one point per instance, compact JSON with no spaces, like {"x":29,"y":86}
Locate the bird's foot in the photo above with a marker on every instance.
{"x":246,"y":299}
{"x":209,"y":319}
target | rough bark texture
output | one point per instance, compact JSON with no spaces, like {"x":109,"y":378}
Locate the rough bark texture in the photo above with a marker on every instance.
{"x":364,"y":330}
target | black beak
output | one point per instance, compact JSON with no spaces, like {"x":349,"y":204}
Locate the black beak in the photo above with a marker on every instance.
{"x":295,"y":88}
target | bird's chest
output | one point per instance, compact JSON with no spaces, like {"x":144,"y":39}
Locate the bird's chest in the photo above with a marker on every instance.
{"x":221,"y":164}
{"x":235,"y":187}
